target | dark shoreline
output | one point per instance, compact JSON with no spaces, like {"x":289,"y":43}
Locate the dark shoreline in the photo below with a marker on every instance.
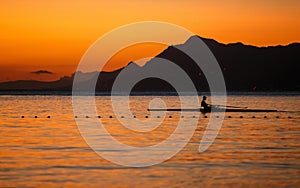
{"x":143,"y":93}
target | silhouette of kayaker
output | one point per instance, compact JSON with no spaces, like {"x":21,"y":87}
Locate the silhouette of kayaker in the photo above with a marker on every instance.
{"x":205,"y":106}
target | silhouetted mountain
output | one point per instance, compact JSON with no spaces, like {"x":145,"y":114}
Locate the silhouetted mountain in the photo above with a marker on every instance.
{"x":245,"y":68}
{"x":248,"y":67}
{"x":64,"y":83}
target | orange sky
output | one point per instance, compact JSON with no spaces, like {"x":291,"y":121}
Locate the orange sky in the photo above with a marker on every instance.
{"x":53,"y":35}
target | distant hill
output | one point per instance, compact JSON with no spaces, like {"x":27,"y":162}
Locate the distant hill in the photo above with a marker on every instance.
{"x":245,"y":68}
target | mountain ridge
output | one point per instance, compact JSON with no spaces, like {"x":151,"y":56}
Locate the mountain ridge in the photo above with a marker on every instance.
{"x":272,"y":68}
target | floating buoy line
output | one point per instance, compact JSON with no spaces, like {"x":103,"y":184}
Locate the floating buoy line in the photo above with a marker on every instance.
{"x":166,"y":117}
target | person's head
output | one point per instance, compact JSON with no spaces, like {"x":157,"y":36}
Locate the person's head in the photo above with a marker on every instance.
{"x":204,"y":97}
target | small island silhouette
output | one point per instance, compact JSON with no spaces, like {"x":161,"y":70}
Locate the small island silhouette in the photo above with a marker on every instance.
{"x":245,"y":68}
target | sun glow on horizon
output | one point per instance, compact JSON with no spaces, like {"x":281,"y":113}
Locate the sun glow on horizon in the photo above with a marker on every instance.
{"x":54,"y":35}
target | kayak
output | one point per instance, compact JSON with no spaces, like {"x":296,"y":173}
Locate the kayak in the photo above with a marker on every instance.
{"x":215,"y":110}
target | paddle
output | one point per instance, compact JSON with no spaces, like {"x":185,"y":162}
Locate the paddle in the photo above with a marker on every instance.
{"x":230,"y":106}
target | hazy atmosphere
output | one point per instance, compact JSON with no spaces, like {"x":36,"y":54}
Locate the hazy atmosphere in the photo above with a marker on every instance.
{"x":53,"y":35}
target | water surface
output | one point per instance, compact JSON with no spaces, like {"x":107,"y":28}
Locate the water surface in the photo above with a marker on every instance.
{"x":248,"y":152}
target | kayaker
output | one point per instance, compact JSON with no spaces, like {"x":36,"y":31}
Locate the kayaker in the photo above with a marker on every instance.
{"x":205,"y":106}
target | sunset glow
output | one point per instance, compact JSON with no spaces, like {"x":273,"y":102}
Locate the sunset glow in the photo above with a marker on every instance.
{"x":53,"y":35}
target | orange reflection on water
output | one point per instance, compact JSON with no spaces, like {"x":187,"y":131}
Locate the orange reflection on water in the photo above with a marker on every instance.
{"x":51,"y":152}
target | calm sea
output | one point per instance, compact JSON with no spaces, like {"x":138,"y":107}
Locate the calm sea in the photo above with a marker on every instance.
{"x":248,"y":152}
